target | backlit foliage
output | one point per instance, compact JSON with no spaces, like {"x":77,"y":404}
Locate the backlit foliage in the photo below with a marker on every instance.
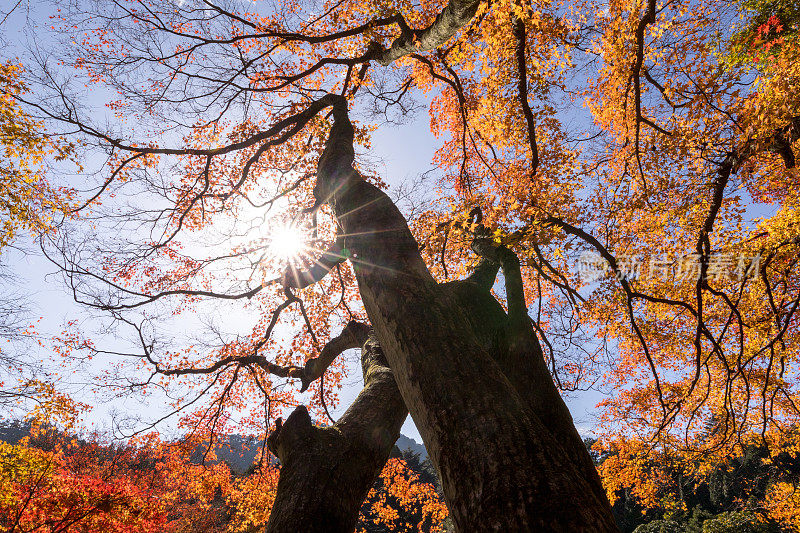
{"x":401,"y":502}
{"x":759,"y":481}
{"x":252,"y":498}
{"x":52,"y":483}
{"x":29,"y":201}
{"x":30,"y":205}
{"x":654,"y":135}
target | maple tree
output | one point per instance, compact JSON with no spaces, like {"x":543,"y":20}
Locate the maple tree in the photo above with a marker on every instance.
{"x":52,"y":482}
{"x":685,"y":492}
{"x":653,"y":140}
{"x":29,"y":201}
{"x":401,"y":501}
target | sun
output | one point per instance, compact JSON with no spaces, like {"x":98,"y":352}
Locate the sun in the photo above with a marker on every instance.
{"x":287,"y":242}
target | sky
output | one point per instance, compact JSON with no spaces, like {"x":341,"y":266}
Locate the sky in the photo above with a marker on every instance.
{"x":401,"y":152}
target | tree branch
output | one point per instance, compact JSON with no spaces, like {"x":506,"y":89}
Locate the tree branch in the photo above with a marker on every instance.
{"x":353,"y":335}
{"x":455,"y":15}
{"x":522,"y":89}
{"x":327,"y":472}
{"x":333,"y":256}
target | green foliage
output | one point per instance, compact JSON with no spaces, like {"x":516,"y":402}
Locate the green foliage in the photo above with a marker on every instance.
{"x":660,"y":526}
{"x":701,"y":522}
{"x":740,"y":522}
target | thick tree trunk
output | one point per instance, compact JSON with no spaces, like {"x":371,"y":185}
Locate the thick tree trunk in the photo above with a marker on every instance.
{"x":327,"y":472}
{"x":503,"y":468}
{"x":521,"y":358}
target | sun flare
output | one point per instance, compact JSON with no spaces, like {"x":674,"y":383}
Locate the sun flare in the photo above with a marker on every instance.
{"x":287,"y":242}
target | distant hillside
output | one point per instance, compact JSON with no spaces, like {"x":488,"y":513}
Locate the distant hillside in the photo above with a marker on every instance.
{"x":238,"y":451}
{"x":405,"y":443}
{"x":11,"y":431}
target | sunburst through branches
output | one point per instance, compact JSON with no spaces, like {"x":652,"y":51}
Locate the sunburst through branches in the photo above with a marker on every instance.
{"x":288,"y":243}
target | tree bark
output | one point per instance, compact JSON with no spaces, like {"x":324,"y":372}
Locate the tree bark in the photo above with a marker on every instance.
{"x":502,"y":467}
{"x":455,"y":15}
{"x":326,"y":473}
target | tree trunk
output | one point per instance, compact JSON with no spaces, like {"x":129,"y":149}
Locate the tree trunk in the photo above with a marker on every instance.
{"x":503,"y":468}
{"x":326,"y":473}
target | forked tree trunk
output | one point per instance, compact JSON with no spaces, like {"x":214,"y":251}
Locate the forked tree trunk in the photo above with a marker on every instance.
{"x":327,"y":472}
{"x":504,"y":467}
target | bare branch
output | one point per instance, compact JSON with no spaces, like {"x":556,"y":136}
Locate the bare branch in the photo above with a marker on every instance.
{"x":354,"y":335}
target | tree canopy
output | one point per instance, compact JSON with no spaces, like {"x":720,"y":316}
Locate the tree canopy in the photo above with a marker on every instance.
{"x":629,"y":167}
